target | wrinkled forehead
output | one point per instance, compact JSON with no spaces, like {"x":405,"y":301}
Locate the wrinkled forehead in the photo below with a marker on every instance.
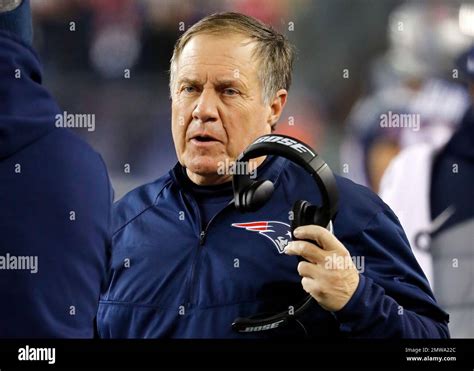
{"x":227,"y":53}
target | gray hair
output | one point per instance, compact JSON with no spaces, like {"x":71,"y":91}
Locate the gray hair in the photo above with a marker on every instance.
{"x":272,"y":49}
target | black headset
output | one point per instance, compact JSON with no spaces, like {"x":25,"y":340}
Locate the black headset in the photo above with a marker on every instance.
{"x":250,"y":195}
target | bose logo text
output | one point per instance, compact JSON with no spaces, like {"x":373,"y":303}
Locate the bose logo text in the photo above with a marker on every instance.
{"x":301,"y":148}
{"x":263,"y":328}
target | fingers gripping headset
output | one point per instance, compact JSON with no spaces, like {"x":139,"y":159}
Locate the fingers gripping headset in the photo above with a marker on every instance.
{"x":250,"y":195}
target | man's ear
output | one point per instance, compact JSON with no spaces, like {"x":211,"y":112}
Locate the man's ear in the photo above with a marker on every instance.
{"x":276,"y":107}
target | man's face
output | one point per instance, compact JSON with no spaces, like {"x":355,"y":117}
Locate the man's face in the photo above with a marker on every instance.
{"x":217,"y":104}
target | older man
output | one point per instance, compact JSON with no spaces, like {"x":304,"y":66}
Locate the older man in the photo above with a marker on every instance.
{"x":181,"y":269}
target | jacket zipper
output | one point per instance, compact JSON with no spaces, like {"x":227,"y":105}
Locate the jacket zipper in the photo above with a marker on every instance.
{"x":202,"y":240}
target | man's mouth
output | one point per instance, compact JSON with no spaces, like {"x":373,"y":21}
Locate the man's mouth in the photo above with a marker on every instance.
{"x":203,"y":140}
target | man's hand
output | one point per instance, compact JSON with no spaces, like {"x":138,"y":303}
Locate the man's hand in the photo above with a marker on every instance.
{"x":329,"y":274}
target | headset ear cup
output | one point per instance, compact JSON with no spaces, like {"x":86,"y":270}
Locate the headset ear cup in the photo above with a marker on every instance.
{"x":257,"y":194}
{"x":320,"y":218}
{"x":299,"y":211}
{"x":304,"y":213}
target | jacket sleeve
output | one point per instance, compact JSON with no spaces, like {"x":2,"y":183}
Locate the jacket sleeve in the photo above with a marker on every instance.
{"x":393,"y":298}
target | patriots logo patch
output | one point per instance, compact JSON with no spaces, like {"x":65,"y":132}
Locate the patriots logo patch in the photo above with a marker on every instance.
{"x":278,"y":232}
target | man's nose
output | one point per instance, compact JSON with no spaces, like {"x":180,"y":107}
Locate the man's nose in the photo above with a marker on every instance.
{"x":206,"y":107}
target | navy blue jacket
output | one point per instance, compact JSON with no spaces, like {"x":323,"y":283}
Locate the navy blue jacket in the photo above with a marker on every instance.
{"x":173,"y":277}
{"x":55,"y":203}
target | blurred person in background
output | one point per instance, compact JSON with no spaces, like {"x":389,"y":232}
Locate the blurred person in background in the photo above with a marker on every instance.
{"x":176,"y":240}
{"x":55,"y":199}
{"x":452,"y":243}
{"x":412,"y":77}
{"x":416,"y":107}
{"x":431,"y":188}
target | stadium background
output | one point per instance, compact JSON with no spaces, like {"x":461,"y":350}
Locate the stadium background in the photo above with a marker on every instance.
{"x":87,"y":45}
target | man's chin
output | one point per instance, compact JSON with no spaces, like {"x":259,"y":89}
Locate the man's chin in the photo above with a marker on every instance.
{"x":212,"y":169}
{"x":206,"y":166}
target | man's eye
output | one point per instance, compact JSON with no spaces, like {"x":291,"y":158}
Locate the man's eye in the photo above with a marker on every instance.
{"x":189,"y":89}
{"x":230,"y":91}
